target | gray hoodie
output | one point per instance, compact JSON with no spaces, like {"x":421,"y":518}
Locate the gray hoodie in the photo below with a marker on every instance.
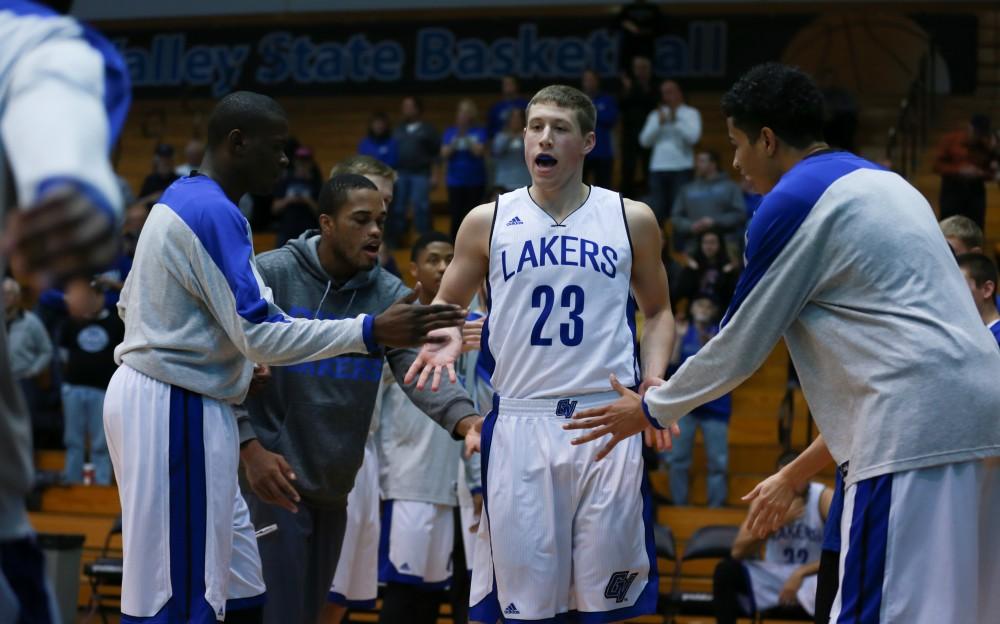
{"x":317,"y":414}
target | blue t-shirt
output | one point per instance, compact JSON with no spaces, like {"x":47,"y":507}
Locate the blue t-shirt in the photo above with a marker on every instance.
{"x":995,"y":328}
{"x":384,"y":149}
{"x":464,"y":167}
{"x":607,"y":117}
{"x":722,"y":407}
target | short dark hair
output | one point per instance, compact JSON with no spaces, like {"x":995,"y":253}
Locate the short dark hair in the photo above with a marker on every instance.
{"x":426,"y":240}
{"x":712,"y":155}
{"x":981,"y":268}
{"x":782,"y":98}
{"x":337,"y":191}
{"x":241,"y":110}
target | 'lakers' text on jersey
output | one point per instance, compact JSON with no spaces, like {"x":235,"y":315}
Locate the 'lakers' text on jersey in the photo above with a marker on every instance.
{"x":562,"y":317}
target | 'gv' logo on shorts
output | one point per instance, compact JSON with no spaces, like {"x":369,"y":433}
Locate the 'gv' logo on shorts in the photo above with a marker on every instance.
{"x":565,"y":408}
{"x":618,"y":585}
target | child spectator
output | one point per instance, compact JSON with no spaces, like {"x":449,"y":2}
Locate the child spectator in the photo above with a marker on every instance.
{"x":86,"y":344}
{"x":379,"y":142}
{"x":712,"y":418}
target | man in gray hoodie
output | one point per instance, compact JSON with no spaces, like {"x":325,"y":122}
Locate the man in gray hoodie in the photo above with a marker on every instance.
{"x":303,"y":441}
{"x":709,"y":201}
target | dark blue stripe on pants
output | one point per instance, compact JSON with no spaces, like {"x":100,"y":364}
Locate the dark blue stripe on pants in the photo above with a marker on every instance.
{"x":864,"y":566}
{"x":187,"y":515}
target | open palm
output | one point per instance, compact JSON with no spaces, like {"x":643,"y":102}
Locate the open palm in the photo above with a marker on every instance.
{"x":436,"y":357}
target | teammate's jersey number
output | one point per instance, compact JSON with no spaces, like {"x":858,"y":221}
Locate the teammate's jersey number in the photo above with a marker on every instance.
{"x":571,"y":333}
{"x":796,"y":556}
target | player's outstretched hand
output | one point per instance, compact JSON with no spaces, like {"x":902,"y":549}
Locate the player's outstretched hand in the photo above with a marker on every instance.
{"x":437,"y":356}
{"x":63,"y":233}
{"x":620,"y":419}
{"x":769,"y":503}
{"x":269,"y":475}
{"x":409,"y":324}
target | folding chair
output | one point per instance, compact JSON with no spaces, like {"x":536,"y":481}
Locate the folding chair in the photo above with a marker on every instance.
{"x":708,"y":542}
{"x":104,"y":572}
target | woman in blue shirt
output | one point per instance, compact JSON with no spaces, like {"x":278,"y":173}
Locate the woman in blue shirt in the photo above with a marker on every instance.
{"x":379,"y":143}
{"x":463,"y":147}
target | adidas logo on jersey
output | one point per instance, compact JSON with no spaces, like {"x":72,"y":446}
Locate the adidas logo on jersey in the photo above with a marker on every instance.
{"x":515,"y":221}
{"x":511,"y":610}
{"x":404,"y":567}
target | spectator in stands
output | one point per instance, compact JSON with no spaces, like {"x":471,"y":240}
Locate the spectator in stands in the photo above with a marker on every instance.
{"x":418,"y":467}
{"x":510,"y":99}
{"x":194,"y":151}
{"x":509,"y":169}
{"x":463,"y":148}
{"x":712,"y":417}
{"x":709,"y":272}
{"x":28,"y":344}
{"x":962,"y":234}
{"x":295,"y":197}
{"x":598,"y":165}
{"x":419,"y":145}
{"x":638,"y":98}
{"x":840,"y":112}
{"x":710,"y":201}
{"x":745,"y":586}
{"x":671,"y":130}
{"x":163,"y":174}
{"x":87,"y":342}
{"x":638,"y":23}
{"x":674,"y":270}
{"x":379,"y":142}
{"x":981,"y":275}
{"x":965,"y":161}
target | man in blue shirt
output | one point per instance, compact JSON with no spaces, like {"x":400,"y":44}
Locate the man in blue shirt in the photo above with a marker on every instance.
{"x":510,"y":91}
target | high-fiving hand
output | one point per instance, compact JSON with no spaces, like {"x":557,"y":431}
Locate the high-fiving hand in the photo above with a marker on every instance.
{"x":620,"y":419}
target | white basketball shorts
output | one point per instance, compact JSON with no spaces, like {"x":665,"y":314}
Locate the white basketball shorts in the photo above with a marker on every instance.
{"x":562,"y":536}
{"x":355,"y":583}
{"x":921,"y":547}
{"x":190,"y":550}
{"x":417,"y":539}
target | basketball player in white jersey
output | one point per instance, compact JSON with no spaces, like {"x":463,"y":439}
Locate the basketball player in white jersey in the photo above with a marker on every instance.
{"x":567,"y":265}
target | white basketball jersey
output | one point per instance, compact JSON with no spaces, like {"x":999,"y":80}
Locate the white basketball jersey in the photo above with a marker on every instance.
{"x":561,"y":314}
{"x":801,"y":541}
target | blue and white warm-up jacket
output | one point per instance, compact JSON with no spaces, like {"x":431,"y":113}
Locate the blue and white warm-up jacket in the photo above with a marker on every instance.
{"x":64,"y":93}
{"x":197,"y":313}
{"x":846,"y":262}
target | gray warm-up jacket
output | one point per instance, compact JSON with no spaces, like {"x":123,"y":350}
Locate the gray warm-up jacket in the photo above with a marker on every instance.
{"x":317,"y":415}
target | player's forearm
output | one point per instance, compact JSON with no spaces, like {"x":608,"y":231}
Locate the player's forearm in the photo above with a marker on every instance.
{"x":745,"y":545}
{"x":809,"y":463}
{"x":657,"y":343}
{"x":808,"y":569}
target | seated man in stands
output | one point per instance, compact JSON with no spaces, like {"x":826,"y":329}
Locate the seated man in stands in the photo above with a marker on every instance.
{"x":744,"y":584}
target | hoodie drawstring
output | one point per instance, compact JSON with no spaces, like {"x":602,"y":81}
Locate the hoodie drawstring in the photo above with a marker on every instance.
{"x":326,"y":292}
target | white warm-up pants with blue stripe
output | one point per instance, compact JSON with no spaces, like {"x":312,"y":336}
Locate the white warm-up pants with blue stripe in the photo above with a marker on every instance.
{"x":190,"y":550}
{"x":563,"y":538}
{"x":921,"y":547}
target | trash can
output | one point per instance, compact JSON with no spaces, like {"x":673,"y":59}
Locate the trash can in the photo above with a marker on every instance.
{"x":62,"y":567}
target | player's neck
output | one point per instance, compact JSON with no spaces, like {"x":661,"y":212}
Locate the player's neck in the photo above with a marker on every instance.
{"x":231,"y":186}
{"x":791,"y":156}
{"x":560,"y":201}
